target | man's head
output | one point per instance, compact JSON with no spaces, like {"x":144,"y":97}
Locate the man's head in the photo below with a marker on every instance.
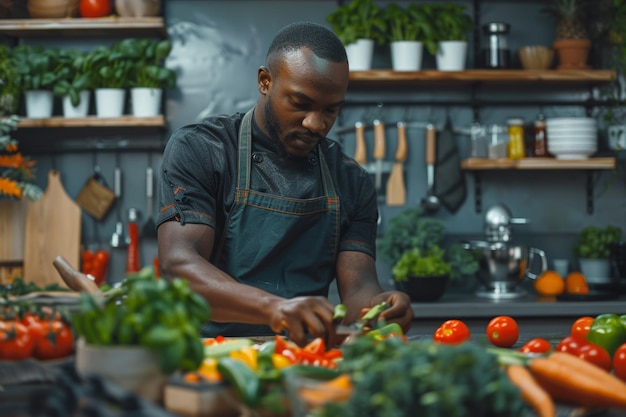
{"x":302,"y":86}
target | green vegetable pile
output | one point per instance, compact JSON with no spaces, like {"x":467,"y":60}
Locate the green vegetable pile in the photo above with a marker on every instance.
{"x":419,"y":378}
{"x":21,"y":287}
{"x":164,"y":316}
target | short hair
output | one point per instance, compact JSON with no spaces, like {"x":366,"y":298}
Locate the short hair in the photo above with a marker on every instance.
{"x":321,"y":40}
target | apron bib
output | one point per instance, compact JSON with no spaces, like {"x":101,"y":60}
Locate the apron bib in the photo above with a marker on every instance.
{"x":282,"y":245}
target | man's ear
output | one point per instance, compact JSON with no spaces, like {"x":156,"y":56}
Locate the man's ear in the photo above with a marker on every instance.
{"x":264,"y":80}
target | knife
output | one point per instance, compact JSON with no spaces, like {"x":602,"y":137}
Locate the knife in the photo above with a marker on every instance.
{"x":379,"y":151}
{"x":360,"y":151}
{"x":367,"y":320}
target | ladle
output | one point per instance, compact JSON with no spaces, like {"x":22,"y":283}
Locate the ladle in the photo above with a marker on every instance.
{"x":430,"y":202}
{"x":117,"y":238}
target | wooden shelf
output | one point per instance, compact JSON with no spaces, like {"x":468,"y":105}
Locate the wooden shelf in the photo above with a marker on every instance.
{"x":388,"y":77}
{"x":475,"y":164}
{"x":93,"y":121}
{"x":74,"y":27}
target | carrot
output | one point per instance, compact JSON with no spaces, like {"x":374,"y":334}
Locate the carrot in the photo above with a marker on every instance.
{"x":534,"y":395}
{"x":574,"y":381}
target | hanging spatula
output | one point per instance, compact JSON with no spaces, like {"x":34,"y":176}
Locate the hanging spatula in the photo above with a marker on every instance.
{"x":396,"y":189}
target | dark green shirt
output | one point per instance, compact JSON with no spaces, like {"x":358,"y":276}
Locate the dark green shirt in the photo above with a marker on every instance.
{"x":198,"y":179}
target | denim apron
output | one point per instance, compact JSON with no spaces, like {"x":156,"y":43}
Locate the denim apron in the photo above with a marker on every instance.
{"x":282,"y":245}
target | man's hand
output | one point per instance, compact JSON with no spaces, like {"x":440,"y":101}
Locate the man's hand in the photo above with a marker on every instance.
{"x":304,"y":318}
{"x":399,"y":310}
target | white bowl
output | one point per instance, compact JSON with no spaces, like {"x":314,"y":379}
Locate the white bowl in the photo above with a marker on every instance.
{"x":573,"y":155}
{"x":570,"y":121}
{"x":556,"y":130}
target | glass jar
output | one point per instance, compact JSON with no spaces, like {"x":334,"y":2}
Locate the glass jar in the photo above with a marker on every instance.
{"x":479,"y":143}
{"x":516,"y":148}
{"x":540,"y":144}
{"x":495,"y":53}
{"x":498,"y":140}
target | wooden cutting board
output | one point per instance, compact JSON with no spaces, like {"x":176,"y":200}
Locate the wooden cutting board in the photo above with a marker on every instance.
{"x":52,"y":229}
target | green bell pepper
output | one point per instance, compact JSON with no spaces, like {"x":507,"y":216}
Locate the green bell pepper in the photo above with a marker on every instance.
{"x":608,"y":332}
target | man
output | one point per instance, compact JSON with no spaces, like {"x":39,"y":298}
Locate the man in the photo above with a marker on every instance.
{"x":260,"y":212}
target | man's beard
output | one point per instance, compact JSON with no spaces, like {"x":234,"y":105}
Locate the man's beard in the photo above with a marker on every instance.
{"x":272,"y":125}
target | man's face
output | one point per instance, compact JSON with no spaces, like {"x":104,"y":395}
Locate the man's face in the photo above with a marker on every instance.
{"x":303,"y":100}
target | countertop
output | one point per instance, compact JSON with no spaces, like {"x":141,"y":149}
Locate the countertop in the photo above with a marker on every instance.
{"x":529,"y":305}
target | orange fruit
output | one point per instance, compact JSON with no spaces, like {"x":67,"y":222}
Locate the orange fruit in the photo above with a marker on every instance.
{"x":575,"y":283}
{"x":550,"y":283}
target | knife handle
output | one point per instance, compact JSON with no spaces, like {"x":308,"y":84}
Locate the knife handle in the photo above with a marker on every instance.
{"x":360,"y":151}
{"x":401,"y":150}
{"x":430,"y":144}
{"x":379,"y":140}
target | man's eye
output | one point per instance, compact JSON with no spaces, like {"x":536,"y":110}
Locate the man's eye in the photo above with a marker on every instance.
{"x":301,"y":106}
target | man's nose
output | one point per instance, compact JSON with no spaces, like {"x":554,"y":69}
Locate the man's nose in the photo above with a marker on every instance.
{"x":314,"y":122}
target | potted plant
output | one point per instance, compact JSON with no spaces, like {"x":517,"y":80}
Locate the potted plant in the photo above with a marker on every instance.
{"x":593,"y":251}
{"x":9,"y":90}
{"x":140,"y":332}
{"x":37,"y":72}
{"x":421,"y":265}
{"x":452,"y":26}
{"x":149,"y":76}
{"x":112,"y":70}
{"x":359,"y":25}
{"x":572,"y":43}
{"x":408,"y":29}
{"x":74,"y":83}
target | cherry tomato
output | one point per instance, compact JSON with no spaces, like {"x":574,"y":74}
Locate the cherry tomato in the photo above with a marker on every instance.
{"x":619,"y":362}
{"x":571,"y":344}
{"x":316,"y":346}
{"x":580,"y":327}
{"x":55,"y":341}
{"x":536,"y":345}
{"x":95,"y":8}
{"x":596,"y":355}
{"x":452,"y":332}
{"x":503,"y":331}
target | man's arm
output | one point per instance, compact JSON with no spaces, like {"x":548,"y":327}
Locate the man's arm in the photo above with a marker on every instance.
{"x":184,"y":251}
{"x":358,"y":286}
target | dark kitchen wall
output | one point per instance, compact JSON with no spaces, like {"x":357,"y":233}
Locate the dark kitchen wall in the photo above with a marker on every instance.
{"x":218,"y":46}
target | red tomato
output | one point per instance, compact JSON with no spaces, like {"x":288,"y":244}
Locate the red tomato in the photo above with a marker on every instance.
{"x":571,"y":344}
{"x":580,"y":327}
{"x":95,"y":8}
{"x":16,"y":342}
{"x":619,"y":362}
{"x":55,"y":341}
{"x":452,"y":332}
{"x":536,"y":345}
{"x":503,"y":331}
{"x":596,"y":355}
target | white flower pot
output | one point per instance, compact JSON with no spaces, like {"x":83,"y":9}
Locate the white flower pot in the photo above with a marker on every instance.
{"x":137,"y":8}
{"x":406,"y":55}
{"x":596,"y":271}
{"x":39,"y":103}
{"x":69,"y":110}
{"x":110,"y":102}
{"x":135,"y":368}
{"x":360,"y":54}
{"x":451,"y":55}
{"x":145,"y":102}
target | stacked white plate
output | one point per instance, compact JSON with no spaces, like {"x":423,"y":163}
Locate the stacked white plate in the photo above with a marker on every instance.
{"x":572,"y":137}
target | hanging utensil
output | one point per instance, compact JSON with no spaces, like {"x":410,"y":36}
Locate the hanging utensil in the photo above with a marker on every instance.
{"x":149,"y":228}
{"x":430,"y":202}
{"x":379,"y":157}
{"x":360,"y":150}
{"x":396,"y":189}
{"x":117,"y":239}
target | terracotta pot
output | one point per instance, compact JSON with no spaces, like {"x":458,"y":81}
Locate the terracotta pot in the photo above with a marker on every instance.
{"x":572,"y":53}
{"x":52,"y":9}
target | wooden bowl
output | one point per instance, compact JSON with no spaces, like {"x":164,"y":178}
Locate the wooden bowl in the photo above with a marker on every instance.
{"x":536,"y":57}
{"x":52,"y":9}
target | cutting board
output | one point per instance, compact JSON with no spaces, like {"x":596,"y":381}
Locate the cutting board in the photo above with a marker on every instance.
{"x":52,"y":229}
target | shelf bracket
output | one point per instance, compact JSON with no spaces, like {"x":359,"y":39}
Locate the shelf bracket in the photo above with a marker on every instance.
{"x":478,"y":197}
{"x":589,"y":192}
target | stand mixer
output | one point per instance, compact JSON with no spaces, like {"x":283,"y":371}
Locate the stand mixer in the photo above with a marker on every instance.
{"x":503,"y":265}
